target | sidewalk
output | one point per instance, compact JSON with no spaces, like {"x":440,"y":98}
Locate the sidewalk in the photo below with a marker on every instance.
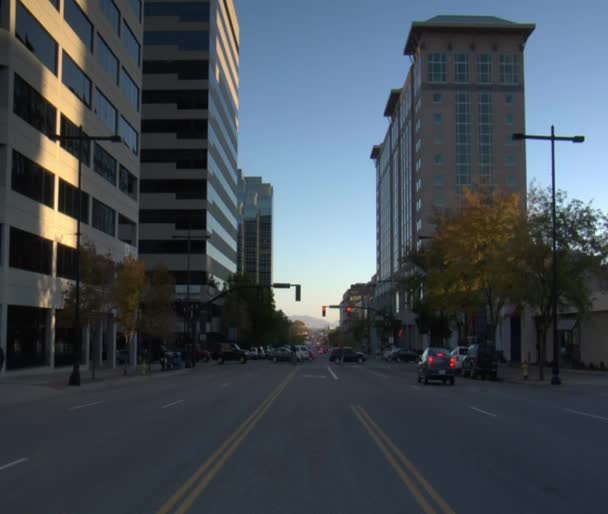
{"x":512,"y":374}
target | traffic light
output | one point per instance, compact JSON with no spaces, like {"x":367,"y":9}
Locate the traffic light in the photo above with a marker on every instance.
{"x":349,"y":310}
{"x":298,"y":292}
{"x":324,"y":310}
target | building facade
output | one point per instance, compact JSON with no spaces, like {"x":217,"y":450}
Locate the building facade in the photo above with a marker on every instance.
{"x":255,"y":236}
{"x":190,"y":103}
{"x":64,"y":64}
{"x":451,"y":127}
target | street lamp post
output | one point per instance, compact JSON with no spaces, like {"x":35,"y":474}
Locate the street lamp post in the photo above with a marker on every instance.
{"x":555,"y":379}
{"x":75,"y":375}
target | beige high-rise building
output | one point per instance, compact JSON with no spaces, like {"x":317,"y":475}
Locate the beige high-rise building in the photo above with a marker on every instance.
{"x":64,"y":64}
{"x":451,"y":127}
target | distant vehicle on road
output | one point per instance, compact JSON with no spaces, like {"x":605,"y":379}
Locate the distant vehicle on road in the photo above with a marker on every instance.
{"x":302,"y":352}
{"x":436,"y":364}
{"x":459,"y":353}
{"x":252,"y":353}
{"x":284,"y":354}
{"x":481,"y":360}
{"x":402,"y":355}
{"x":228,"y":352}
{"x":346,"y":355}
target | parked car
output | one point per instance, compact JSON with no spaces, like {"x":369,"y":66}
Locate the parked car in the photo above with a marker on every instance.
{"x":347,"y":355}
{"x":436,"y":364}
{"x":228,"y":352}
{"x":302,"y":352}
{"x":284,"y":354}
{"x":459,"y":353}
{"x":402,"y":355}
{"x":252,"y":353}
{"x":261,"y":353}
{"x":481,"y":360}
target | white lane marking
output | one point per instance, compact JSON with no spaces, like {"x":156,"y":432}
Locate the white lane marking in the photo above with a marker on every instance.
{"x":172,"y":404}
{"x":85,"y":405}
{"x":417,"y":388}
{"x":332,"y":373}
{"x":482,"y":411}
{"x":594,"y":416}
{"x":314,"y":376}
{"x":225,"y":384}
{"x":14,"y":463}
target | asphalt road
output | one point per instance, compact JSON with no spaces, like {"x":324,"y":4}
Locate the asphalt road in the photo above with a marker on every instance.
{"x":315,"y":438}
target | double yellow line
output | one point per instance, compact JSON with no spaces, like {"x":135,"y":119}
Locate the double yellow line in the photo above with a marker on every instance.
{"x":186,"y":495}
{"x":432,"y":502}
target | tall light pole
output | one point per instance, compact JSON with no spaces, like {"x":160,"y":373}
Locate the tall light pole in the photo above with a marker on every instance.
{"x":518,"y":136}
{"x":75,"y":375}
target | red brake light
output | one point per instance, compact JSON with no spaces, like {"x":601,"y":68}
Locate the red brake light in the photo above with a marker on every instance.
{"x":440,"y":354}
{"x":452,"y":362}
{"x":431,"y":359}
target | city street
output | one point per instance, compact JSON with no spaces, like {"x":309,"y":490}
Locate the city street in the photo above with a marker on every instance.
{"x":266,"y":438}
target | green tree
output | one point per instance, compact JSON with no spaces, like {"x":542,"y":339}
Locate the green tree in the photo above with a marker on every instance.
{"x":127,"y":294}
{"x":297,"y":332}
{"x":582,"y":252}
{"x":157,"y":317}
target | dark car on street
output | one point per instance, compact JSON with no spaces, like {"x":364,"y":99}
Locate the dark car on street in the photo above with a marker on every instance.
{"x":403,"y":355}
{"x":481,"y":361}
{"x":346,"y":355}
{"x":223,"y":352}
{"x":436,"y":364}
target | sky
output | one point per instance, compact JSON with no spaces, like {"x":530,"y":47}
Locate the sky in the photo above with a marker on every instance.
{"x":314,"y":80}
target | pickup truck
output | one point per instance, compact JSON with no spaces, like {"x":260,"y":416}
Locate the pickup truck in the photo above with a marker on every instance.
{"x":481,"y":360}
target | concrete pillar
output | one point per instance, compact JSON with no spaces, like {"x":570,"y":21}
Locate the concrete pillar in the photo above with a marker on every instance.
{"x":111,"y":341}
{"x":50,"y":338}
{"x":3,"y":340}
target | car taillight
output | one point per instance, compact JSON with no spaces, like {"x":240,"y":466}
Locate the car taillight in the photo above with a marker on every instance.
{"x":452,"y":362}
{"x":440,"y":354}
{"x":431,"y":360}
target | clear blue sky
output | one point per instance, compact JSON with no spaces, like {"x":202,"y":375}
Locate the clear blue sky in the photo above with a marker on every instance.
{"x":315,"y":77}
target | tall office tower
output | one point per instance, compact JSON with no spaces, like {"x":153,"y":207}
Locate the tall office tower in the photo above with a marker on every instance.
{"x":255,"y":229}
{"x":451,"y":127}
{"x":188,"y":216}
{"x":64,"y":64}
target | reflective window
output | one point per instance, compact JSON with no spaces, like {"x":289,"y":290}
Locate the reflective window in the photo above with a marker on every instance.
{"x":183,"y":159}
{"x":184,"y":40}
{"x":484,"y":68}
{"x":438,"y":117}
{"x":30,"y":105}
{"x":183,"y":189}
{"x":437,"y":67}
{"x":130,"y":89}
{"x":437,"y":98}
{"x":461,"y":68}
{"x":438,"y":159}
{"x":129,"y":135}
{"x":184,"y":129}
{"x":37,"y":40}
{"x":509,"y":69}
{"x":131,"y":43}
{"x":55,"y":3}
{"x":111,"y":12}
{"x":76,"y":80}
{"x":486,"y":136}
{"x":79,"y":22}
{"x":184,"y":98}
{"x":103,"y":218}
{"x":136,"y":8}
{"x":185,"y":11}
{"x":186,"y":70}
{"x":68,"y":201}
{"x":127,"y":182}
{"x":30,"y":252}
{"x":127,"y":230}
{"x":106,"y":58}
{"x":509,"y":99}
{"x":32,"y":180}
{"x":73,"y":146}
{"x":66,"y":262}
{"x":105,"y":111}
{"x":104,"y":164}
{"x":463,"y":140}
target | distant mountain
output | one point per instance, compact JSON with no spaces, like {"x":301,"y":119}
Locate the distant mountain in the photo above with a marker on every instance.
{"x":314,"y":323}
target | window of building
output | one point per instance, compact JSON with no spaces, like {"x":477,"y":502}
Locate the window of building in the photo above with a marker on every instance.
{"x":508,"y":99}
{"x":419,"y":204}
{"x":181,"y":218}
{"x":30,"y":252}
{"x":183,"y":39}
{"x":79,"y":22}
{"x":484,"y":68}
{"x":461,"y":67}
{"x":438,"y":67}
{"x":438,"y":139}
{"x":438,"y":118}
{"x":418,"y":185}
{"x":183,"y":159}
{"x":112,"y":14}
{"x":418,"y":145}
{"x":437,"y":98}
{"x":509,"y":140}
{"x":486,"y":136}
{"x":438,"y":180}
{"x":130,"y":89}
{"x":439,"y":200}
{"x":104,"y":218}
{"x":127,"y":230}
{"x":73,"y":146}
{"x":185,"y":11}
{"x":438,"y":159}
{"x":76,"y":80}
{"x":66,"y":262}
{"x":184,"y":99}
{"x":509,"y":118}
{"x":136,"y":8}
{"x":463,"y":140}
{"x":105,"y":111}
{"x":104,"y":164}
{"x":106,"y":58}
{"x":131,"y":43}
{"x":32,"y":180}
{"x":185,"y":70}
{"x":68,"y":201}
{"x":129,"y":135}
{"x":418,"y":124}
{"x":55,"y":4}
{"x":183,"y":189}
{"x":509,"y":161}
{"x":155,"y":246}
{"x":35,"y":38}
{"x":127,"y":182}
{"x":509,"y":69}
{"x":511,"y":181}
{"x":32,"y":107}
